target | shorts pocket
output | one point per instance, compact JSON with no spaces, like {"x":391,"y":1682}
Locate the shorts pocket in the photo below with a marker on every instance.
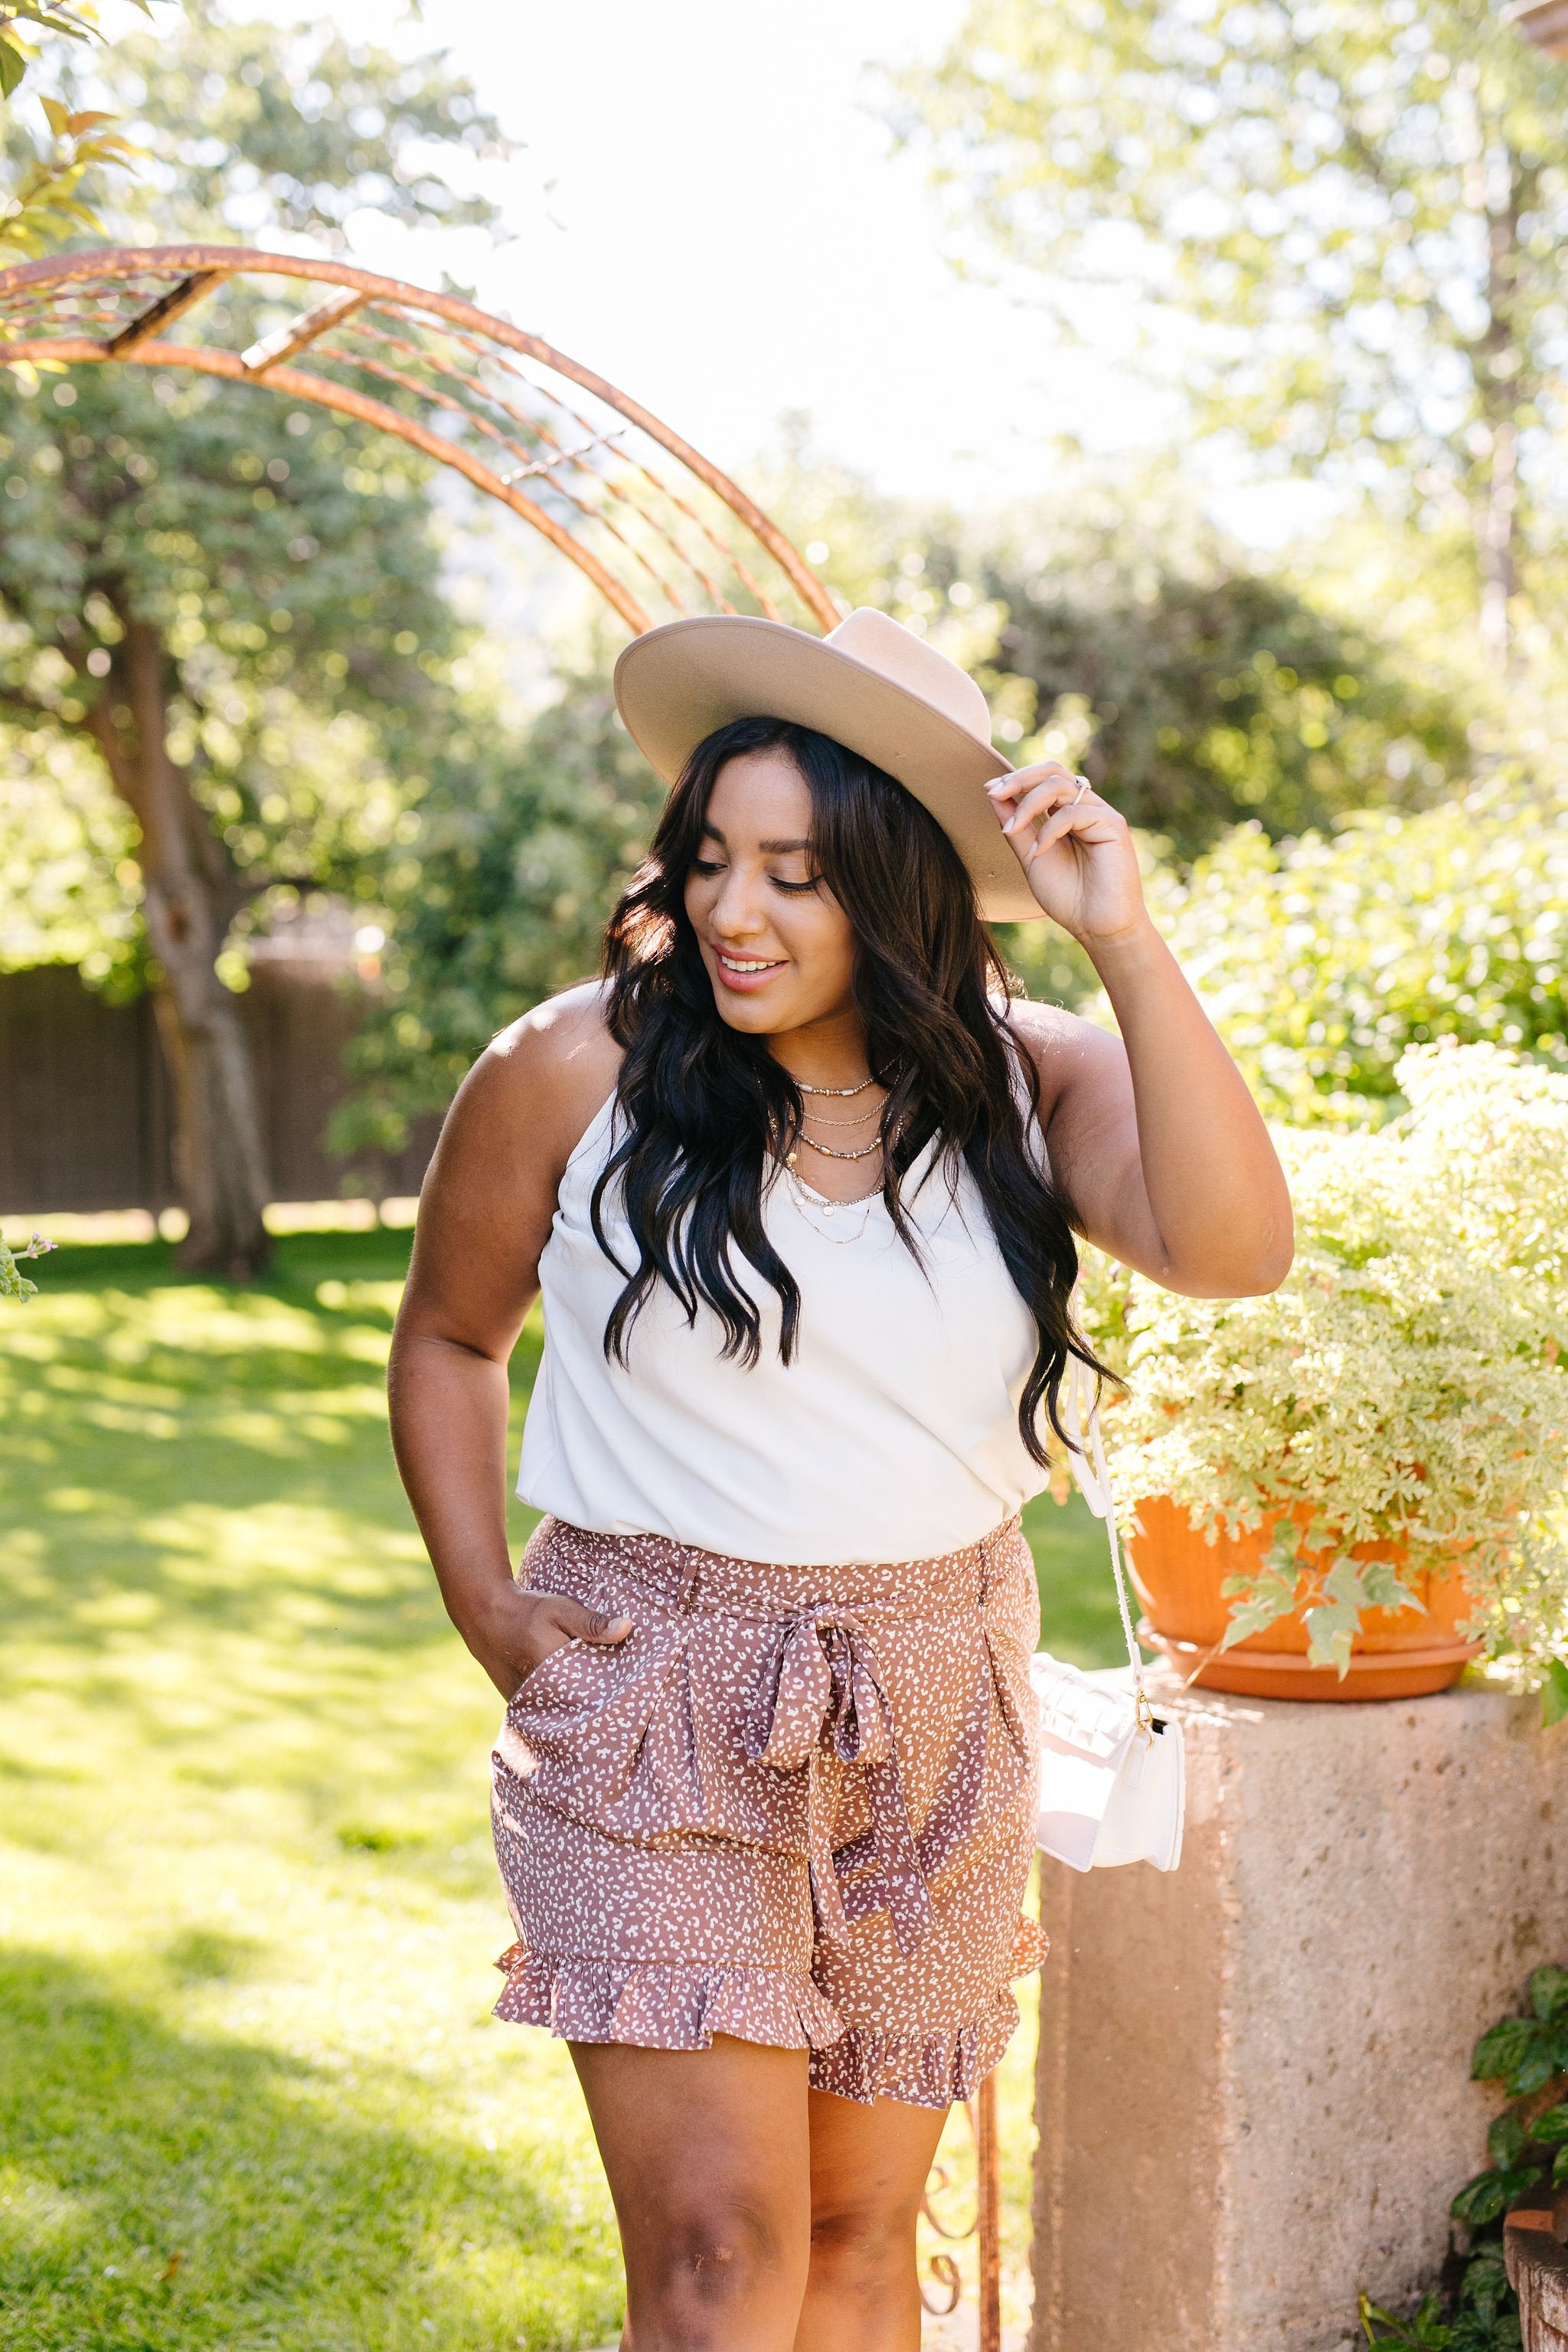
{"x":530,"y":1681}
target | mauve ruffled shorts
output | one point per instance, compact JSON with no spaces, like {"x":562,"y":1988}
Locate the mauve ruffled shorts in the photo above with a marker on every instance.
{"x":796,"y":1806}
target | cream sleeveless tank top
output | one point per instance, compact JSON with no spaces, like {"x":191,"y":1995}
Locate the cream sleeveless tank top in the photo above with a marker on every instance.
{"x":893,"y":1433}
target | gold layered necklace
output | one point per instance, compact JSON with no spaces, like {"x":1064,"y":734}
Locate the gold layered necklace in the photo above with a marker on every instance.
{"x":842,"y":1093}
{"x":837,"y":1094}
{"x":814,"y":1205}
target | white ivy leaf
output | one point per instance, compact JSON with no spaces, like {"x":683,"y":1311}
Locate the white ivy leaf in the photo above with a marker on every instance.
{"x":1331,"y":1629}
{"x":1267,"y":1597}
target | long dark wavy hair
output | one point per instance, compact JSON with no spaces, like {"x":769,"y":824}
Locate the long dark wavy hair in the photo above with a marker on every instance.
{"x":705,"y":1110}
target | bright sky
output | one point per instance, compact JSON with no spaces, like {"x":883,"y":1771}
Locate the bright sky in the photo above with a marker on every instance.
{"x":710,"y":212}
{"x":707,"y":209}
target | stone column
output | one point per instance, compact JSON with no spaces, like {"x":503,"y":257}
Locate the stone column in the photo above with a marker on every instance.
{"x":1254,"y":2093}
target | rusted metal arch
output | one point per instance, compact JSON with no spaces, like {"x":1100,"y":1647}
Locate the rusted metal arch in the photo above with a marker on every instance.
{"x":611,"y":503}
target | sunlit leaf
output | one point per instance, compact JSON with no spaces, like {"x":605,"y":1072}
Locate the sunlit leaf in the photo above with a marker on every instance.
{"x":1270,"y":1597}
{"x":1555,"y":1692}
{"x":1384,"y":1589}
{"x":1331,"y":1631}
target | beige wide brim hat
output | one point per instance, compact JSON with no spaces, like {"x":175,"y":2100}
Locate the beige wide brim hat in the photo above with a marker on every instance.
{"x":871,"y":684}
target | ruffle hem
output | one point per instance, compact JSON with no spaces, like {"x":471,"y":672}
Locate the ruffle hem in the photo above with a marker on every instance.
{"x":660,"y":2006}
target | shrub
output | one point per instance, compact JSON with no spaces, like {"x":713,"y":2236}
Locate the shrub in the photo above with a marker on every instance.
{"x":1323,"y":959}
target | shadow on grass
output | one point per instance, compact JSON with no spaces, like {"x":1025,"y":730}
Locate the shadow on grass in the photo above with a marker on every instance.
{"x":208,"y":1475}
{"x":165,"y":2191}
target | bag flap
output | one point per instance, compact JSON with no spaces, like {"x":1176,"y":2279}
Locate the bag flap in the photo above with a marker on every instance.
{"x":1082,"y":1715}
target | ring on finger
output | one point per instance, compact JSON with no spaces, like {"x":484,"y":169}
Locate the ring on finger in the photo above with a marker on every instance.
{"x":1083,"y":786}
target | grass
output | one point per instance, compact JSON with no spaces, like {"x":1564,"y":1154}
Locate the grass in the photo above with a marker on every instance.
{"x":250,"y":2092}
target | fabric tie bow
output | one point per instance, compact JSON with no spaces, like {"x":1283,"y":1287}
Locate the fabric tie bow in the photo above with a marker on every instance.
{"x":824,"y":1695}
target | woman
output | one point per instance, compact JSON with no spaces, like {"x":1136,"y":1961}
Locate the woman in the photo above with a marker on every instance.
{"x":799,"y":1182}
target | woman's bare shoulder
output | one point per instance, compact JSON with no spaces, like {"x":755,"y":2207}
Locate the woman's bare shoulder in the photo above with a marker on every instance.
{"x":1067,"y":1050}
{"x":552,"y":1071}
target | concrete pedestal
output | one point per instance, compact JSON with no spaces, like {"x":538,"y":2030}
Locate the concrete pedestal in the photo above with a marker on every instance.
{"x":1254,"y":2093}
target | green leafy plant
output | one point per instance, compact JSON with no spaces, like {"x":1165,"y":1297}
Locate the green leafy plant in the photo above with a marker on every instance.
{"x":12,"y":1283}
{"x":45,"y":203}
{"x":1484,"y":2313}
{"x":1403,"y":1389}
{"x":1528,"y":2144}
{"x":1331,"y":1598}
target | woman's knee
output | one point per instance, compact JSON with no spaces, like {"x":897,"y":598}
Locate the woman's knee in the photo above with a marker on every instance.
{"x":860,"y":2239}
{"x":720,"y":2250}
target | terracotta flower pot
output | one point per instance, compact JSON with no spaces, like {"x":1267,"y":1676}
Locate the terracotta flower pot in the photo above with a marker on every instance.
{"x":1398,"y":1654}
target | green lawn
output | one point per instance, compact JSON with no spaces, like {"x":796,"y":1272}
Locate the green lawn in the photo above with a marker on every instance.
{"x":251,"y":2094}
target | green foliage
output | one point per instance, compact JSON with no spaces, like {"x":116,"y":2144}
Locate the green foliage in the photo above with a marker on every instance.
{"x":12,"y":1283}
{"x":1555,"y":1692}
{"x":1304,"y":189}
{"x":280,"y":135}
{"x":69,"y":887}
{"x":1525,"y":2052}
{"x":44,"y":206}
{"x":1322,"y":960}
{"x":1405,"y":1385}
{"x":1483,"y":2313}
{"x":1301,"y":1570}
{"x":1220,"y":693}
{"x":523,"y":849}
{"x":291,"y":570}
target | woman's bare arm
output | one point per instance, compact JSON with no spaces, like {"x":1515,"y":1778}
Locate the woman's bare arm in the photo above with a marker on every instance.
{"x":1154,"y":1137}
{"x":484,"y":1218}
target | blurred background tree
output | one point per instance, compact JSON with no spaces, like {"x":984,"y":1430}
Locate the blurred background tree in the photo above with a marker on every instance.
{"x":238,"y":605}
{"x":1351,"y":222}
{"x":523,"y":849}
{"x":1121,"y":624}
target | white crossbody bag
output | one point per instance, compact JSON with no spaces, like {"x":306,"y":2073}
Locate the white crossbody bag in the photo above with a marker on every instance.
{"x":1112,"y":1769}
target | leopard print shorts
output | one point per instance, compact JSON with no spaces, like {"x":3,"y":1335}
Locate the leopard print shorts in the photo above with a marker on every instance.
{"x":795,"y":1805}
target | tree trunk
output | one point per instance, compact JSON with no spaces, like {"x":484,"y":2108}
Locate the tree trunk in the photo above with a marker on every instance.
{"x":189,"y":899}
{"x":1499,"y":573}
{"x":1502,"y":378}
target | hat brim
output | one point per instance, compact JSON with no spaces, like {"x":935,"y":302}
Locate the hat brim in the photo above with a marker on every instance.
{"x":675,"y":685}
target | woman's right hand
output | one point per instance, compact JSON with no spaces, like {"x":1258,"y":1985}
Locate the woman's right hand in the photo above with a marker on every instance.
{"x":518,"y":1630}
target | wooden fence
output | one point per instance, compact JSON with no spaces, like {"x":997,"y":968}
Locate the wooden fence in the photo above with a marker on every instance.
{"x":85,"y":1110}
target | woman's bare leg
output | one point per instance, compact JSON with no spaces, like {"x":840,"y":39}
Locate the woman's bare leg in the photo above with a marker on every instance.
{"x":708,"y":2162}
{"x":868,"y":2168}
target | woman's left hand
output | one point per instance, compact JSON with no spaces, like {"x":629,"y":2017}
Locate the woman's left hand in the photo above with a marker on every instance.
{"x":1075,"y":849}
